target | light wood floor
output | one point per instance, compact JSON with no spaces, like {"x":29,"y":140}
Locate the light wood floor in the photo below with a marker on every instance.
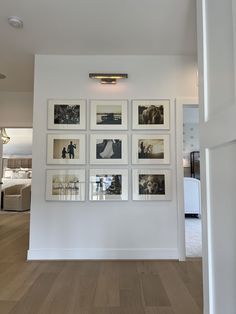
{"x":91,"y":287}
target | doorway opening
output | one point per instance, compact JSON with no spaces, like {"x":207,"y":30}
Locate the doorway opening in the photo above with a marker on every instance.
{"x":16,"y":170}
{"x":192,"y":181}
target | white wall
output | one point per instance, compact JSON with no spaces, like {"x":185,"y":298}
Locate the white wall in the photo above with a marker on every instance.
{"x":16,"y":109}
{"x":114,"y":229}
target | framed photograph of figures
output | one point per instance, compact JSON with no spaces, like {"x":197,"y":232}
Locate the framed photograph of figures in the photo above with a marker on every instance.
{"x":151,"y":185}
{"x":108,"y":149}
{"x":65,"y":185}
{"x":150,"y":149}
{"x":109,"y":114}
{"x":66,"y":149}
{"x":151,"y":114}
{"x":108,"y":185}
{"x":66,"y":114}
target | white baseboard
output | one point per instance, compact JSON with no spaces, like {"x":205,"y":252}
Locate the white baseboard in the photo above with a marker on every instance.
{"x":103,"y":254}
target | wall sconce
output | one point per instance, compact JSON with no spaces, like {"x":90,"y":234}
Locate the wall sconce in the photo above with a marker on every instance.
{"x":4,"y":136}
{"x":108,"y":78}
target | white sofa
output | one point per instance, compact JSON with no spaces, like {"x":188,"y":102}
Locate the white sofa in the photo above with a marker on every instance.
{"x":192,"y":196}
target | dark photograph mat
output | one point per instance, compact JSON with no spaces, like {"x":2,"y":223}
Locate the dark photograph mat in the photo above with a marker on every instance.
{"x":151,"y":149}
{"x":109,"y":184}
{"x":151,"y":114}
{"x":108,"y":114}
{"x":65,"y":185}
{"x":151,"y":184}
{"x":109,"y":149}
{"x":66,"y":148}
{"x":66,"y":114}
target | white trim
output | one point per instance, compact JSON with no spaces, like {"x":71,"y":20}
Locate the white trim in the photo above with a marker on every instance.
{"x":203,"y":117}
{"x":100,"y":253}
{"x":180,"y":103}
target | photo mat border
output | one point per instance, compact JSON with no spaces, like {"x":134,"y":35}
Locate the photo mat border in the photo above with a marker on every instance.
{"x":49,"y":176}
{"x":70,"y":102}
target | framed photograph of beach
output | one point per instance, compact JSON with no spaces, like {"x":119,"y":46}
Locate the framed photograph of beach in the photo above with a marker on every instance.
{"x":65,"y":185}
{"x":150,"y":149}
{"x":151,"y":185}
{"x":151,"y":114}
{"x":109,"y":114}
{"x":108,"y":185}
{"x":66,"y":149}
{"x":108,"y":149}
{"x":66,"y":114}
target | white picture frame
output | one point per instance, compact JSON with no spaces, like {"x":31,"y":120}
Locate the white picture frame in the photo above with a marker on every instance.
{"x":64,"y":114}
{"x":108,"y":149}
{"x":151,"y":114}
{"x":66,"y":149}
{"x":151,"y":185}
{"x":109,"y":114}
{"x":150,"y":149}
{"x":65,"y":185}
{"x":108,"y":185}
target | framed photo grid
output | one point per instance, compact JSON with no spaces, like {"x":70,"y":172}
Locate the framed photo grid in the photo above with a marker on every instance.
{"x":66,"y":114}
{"x":107,"y":149}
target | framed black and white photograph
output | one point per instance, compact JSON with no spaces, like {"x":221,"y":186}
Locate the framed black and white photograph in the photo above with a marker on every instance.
{"x":65,"y":185}
{"x":66,"y":114}
{"x":151,"y":185}
{"x":109,"y":114}
{"x":150,"y":149}
{"x":151,"y":114}
{"x":66,"y":149}
{"x":108,"y":185}
{"x":108,"y":149}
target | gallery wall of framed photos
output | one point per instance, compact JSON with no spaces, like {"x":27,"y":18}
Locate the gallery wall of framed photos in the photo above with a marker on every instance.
{"x":104,"y":175}
{"x":138,"y":145}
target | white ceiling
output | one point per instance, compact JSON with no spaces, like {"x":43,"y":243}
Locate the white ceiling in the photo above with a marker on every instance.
{"x":91,"y":27}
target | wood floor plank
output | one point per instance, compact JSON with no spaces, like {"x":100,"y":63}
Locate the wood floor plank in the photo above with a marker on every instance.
{"x":6,"y":306}
{"x":33,"y":299}
{"x":181,"y":300}
{"x":128,"y":310}
{"x":192,"y":280}
{"x":107,"y":291}
{"x":18,"y":282}
{"x":153,"y":291}
{"x":158,"y":310}
{"x":83,"y":292}
{"x":91,"y":287}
